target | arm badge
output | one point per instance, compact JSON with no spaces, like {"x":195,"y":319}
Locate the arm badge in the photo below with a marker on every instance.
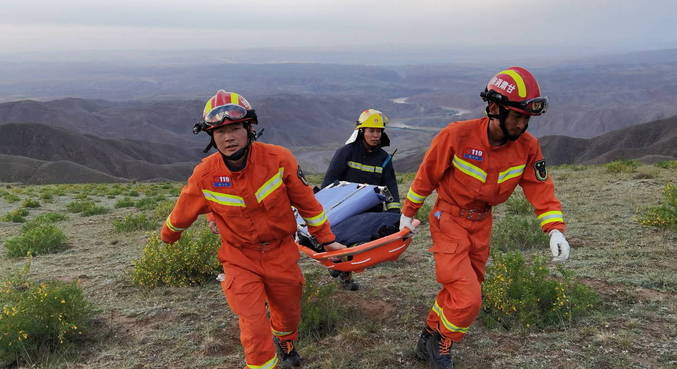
{"x":540,"y":171}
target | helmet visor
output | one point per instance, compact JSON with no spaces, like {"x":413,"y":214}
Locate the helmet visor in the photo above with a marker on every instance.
{"x":535,"y":106}
{"x":223,"y":112}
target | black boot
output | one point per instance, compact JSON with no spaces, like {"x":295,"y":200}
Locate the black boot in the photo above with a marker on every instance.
{"x":438,"y":348}
{"x":348,"y":283}
{"x":289,"y":358}
{"x":421,"y":346}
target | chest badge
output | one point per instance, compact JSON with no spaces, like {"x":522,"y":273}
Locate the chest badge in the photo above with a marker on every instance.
{"x":222,"y":181}
{"x":473,"y":154}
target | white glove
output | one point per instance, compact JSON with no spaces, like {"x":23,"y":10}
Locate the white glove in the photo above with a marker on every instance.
{"x":559,"y":246}
{"x":405,"y":221}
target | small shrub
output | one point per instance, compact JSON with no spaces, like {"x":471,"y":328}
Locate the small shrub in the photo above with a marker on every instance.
{"x":133,"y":193}
{"x":148,"y":203}
{"x":321,"y":312}
{"x":86,"y":208}
{"x":518,"y":232}
{"x":16,"y":216}
{"x":37,"y":239}
{"x":522,"y":295}
{"x":82,"y":196}
{"x":665,"y":214}
{"x":11,"y":198}
{"x":37,"y":318}
{"x":46,"y":196}
{"x":190,"y":261}
{"x":125,"y":202}
{"x":41,"y":219}
{"x":667,"y":164}
{"x":30,"y":203}
{"x":622,"y":166}
{"x":517,"y":204}
{"x":162,"y":210}
{"x":135,"y":222}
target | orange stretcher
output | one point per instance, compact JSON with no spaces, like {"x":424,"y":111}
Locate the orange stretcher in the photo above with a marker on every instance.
{"x":360,"y":257}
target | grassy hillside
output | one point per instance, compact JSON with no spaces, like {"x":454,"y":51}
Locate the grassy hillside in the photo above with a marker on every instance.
{"x":631,"y":266}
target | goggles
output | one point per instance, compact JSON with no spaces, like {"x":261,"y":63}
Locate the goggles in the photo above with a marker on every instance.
{"x":535,"y":106}
{"x":223,"y":112}
{"x":218,"y":116}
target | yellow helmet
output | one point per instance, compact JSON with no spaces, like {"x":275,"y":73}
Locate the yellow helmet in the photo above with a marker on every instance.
{"x":372,"y":118}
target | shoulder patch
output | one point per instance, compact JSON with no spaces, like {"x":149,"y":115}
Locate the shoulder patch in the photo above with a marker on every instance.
{"x":540,"y":171}
{"x":301,"y":176}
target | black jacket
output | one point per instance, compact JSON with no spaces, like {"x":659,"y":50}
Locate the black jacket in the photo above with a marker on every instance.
{"x":353,"y":163}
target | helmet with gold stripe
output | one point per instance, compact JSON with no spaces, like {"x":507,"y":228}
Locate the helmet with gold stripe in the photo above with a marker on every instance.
{"x":516,"y":89}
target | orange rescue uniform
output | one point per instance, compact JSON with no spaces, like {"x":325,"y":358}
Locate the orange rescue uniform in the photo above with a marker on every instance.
{"x":470,"y":176}
{"x":252,"y":210}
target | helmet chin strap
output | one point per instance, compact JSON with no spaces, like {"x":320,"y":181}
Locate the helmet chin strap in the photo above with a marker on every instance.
{"x":237,"y":155}
{"x":502,"y":116}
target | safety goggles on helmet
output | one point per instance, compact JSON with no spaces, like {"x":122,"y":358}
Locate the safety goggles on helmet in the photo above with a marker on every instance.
{"x":222,"y":115}
{"x":223,"y":112}
{"x":535,"y":106}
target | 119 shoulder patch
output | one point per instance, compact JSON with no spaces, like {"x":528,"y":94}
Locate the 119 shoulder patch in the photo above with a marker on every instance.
{"x":302,"y":177}
{"x":540,"y":171}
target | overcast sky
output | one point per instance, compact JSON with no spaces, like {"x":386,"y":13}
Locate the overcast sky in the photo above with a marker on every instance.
{"x":591,"y":25}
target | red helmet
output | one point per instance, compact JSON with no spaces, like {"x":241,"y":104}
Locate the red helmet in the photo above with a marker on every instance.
{"x":225,"y":108}
{"x":516,"y":89}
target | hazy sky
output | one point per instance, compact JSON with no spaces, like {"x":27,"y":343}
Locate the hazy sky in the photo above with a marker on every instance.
{"x":64,"y":25}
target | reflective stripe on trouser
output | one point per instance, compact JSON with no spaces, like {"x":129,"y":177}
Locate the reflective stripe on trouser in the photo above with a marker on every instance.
{"x":461,"y":249}
{"x":254,"y":278}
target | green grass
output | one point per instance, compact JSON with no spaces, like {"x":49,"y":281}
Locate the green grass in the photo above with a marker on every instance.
{"x":190,"y":261}
{"x":622,"y":166}
{"x":663,"y":215}
{"x":30,"y":203}
{"x":518,"y":232}
{"x":15,"y":216}
{"x":40,"y":318}
{"x":135,"y":222}
{"x":521,"y":294}
{"x":86,"y":208}
{"x":629,"y":265}
{"x":36,"y":239}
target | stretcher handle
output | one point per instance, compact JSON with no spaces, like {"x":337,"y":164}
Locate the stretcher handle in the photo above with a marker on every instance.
{"x":401,"y":235}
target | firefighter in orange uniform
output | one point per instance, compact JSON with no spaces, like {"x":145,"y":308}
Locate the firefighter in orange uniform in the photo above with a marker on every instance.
{"x":474,"y":165}
{"x":248,"y":189}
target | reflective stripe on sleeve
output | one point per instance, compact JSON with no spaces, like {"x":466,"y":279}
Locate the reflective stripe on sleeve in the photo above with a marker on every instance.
{"x":414,"y":197}
{"x":317,"y":220}
{"x":269,"y":186}
{"x":550,"y":217}
{"x":511,"y":173}
{"x":469,"y":169}
{"x":223,"y":199}
{"x":393,"y":205}
{"x":365,"y":167}
{"x":171,"y":227}
{"x":437,"y":309}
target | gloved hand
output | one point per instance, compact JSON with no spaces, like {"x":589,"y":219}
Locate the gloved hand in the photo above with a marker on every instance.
{"x":405,"y":221}
{"x":559,"y":246}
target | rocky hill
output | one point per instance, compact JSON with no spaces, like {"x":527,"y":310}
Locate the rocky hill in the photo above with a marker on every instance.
{"x":114,"y":158}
